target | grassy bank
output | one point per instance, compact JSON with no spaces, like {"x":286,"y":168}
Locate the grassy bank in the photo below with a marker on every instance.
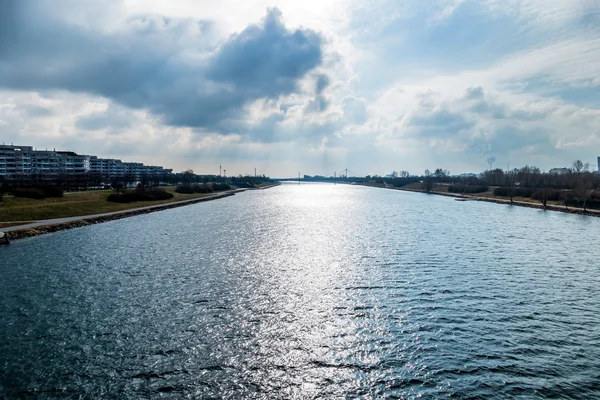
{"x":442,"y":189}
{"x":44,"y":229}
{"x":74,"y":204}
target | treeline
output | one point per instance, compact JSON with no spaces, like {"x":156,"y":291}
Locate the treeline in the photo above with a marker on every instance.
{"x":39,"y":186}
{"x":468,"y":189}
{"x":576,"y":186}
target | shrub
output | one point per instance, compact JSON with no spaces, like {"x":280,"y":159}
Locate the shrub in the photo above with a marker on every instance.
{"x":37,"y":192}
{"x":220,"y":186}
{"x":203,"y":188}
{"x":141,"y":194}
{"x":29,"y":193}
{"x":517,"y":192}
{"x":190,"y":189}
{"x":52,"y":191}
{"x":502,"y":191}
{"x":467,"y":189}
{"x":577,"y":202}
{"x":551,"y":195}
{"x":185,"y":189}
{"x":400,"y":182}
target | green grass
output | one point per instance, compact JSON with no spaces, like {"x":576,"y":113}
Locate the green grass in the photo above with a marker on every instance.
{"x":74,"y":204}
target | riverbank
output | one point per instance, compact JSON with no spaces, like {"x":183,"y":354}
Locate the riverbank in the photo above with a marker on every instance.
{"x":491,"y":199}
{"x":74,"y":204}
{"x":48,"y":226}
{"x":267,"y":185}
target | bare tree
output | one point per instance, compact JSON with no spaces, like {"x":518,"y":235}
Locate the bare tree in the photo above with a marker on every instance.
{"x":404,"y":174}
{"x":579,"y":167}
{"x":428,"y":182}
{"x":586,"y":195}
{"x":441,"y":173}
{"x":510,"y":175}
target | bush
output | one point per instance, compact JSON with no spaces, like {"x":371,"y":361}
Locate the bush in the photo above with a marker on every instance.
{"x":400,"y":182}
{"x":203,"y":188}
{"x":37,"y":192}
{"x":467,"y":189}
{"x":517,"y":192}
{"x":502,"y":191}
{"x":217,"y":187}
{"x":577,"y":202}
{"x":52,"y":191}
{"x":551,"y":195}
{"x":185,"y":189}
{"x":190,"y":189}
{"x":141,"y":194}
{"x":29,"y":193}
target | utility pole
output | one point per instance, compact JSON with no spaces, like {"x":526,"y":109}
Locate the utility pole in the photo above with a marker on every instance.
{"x":255,"y":172}
{"x":346,"y":173}
{"x":220,"y":174}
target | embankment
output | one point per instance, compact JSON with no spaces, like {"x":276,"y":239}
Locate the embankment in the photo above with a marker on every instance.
{"x":40,"y":230}
{"x":539,"y":206}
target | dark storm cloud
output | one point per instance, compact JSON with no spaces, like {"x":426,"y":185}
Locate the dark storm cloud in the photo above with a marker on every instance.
{"x":114,"y":118}
{"x":170,"y":67}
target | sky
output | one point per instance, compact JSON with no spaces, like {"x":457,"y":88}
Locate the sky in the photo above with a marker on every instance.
{"x":312,"y":86}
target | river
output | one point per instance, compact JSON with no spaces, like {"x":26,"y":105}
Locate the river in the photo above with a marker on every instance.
{"x":307,"y":291}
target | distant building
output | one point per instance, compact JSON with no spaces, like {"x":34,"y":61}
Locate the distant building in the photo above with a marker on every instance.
{"x":559,"y":171}
{"x":25,"y":161}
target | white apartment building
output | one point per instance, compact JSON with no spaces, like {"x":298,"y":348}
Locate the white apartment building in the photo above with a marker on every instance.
{"x":117,"y":168}
{"x":24,"y":160}
{"x":19,"y":161}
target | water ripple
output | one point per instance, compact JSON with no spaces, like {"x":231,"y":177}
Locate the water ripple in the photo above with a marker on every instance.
{"x":307,"y":291}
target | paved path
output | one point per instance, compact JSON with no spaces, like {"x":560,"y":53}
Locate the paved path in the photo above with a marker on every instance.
{"x":55,"y":221}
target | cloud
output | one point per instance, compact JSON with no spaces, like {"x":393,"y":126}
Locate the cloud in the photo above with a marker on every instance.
{"x":374,"y":87}
{"x":322,"y":83}
{"x":170,"y":67}
{"x":113,"y":118}
{"x":354,"y":109}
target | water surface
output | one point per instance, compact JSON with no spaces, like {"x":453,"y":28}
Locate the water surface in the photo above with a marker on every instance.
{"x":307,"y":291}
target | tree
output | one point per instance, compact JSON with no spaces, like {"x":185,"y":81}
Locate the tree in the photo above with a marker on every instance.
{"x":117,"y":184}
{"x":188,"y":177}
{"x":579,"y":167}
{"x":510,"y":176}
{"x":404,"y":174}
{"x":144,"y":180}
{"x":543,"y":179}
{"x":441,"y":173}
{"x":586,"y":195}
{"x":428,"y":182}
